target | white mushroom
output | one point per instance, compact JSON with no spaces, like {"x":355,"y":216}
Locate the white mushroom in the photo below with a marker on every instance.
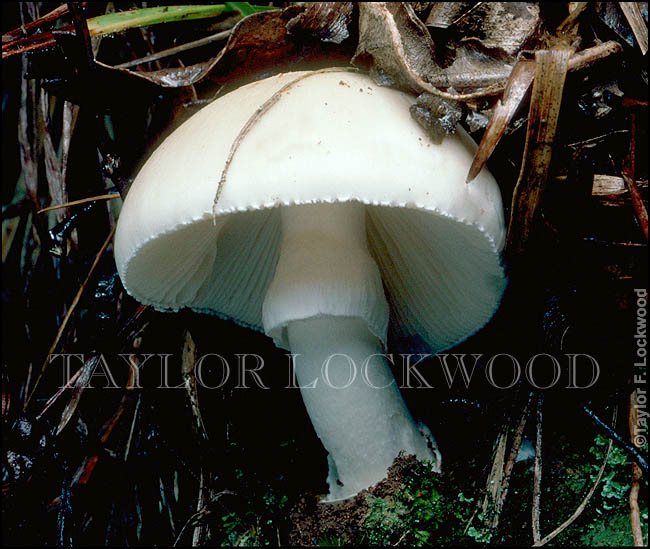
{"x":339,"y":223}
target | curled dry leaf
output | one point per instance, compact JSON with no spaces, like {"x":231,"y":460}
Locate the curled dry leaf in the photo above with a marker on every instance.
{"x":326,"y":21}
{"x":501,"y":27}
{"x":396,"y":45}
{"x":260,"y":39}
{"x":258,"y":42}
{"x":482,"y":41}
{"x":444,"y":14}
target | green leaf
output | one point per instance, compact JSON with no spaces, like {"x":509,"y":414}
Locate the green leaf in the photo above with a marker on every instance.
{"x":123,"y":20}
{"x":245,"y":8}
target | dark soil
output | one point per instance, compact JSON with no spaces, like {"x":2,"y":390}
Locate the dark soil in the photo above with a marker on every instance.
{"x":315,"y":522}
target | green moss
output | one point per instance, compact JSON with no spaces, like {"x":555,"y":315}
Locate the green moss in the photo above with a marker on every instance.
{"x":426,"y":511}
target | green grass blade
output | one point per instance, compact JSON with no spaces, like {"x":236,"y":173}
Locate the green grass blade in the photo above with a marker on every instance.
{"x":245,"y":8}
{"x":123,"y":20}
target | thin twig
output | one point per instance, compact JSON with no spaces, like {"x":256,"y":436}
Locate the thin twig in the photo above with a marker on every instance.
{"x":570,"y":21}
{"x":635,"y":484}
{"x":54,"y":398}
{"x":582,"y":506}
{"x":127,"y":446}
{"x":537,"y":477}
{"x":512,"y":457}
{"x":613,"y":435}
{"x":82,"y":33}
{"x":68,"y":315}
{"x":200,"y":504}
{"x":177,"y":49}
{"x":584,"y":58}
{"x":27,"y":28}
{"x":201,"y":513}
{"x":499,"y":478}
{"x":114,"y":22}
{"x":628,"y":173}
{"x":81,"y":201}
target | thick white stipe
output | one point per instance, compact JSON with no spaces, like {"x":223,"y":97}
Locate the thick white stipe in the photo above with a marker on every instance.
{"x":326,"y":304}
{"x":353,"y":401}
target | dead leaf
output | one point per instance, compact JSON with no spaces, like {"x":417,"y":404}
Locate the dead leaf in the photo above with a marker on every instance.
{"x":53,"y":172}
{"x":257,"y":41}
{"x":473,"y":70}
{"x":502,"y":26}
{"x":81,"y":383}
{"x":546,"y":99}
{"x":611,"y":190}
{"x":326,"y":21}
{"x":628,"y":172}
{"x":516,"y":89}
{"x":397,"y":48}
{"x":189,"y":377}
{"x":445,"y":14}
{"x":396,"y":44}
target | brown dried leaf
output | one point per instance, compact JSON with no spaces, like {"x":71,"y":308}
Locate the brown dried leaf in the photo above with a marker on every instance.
{"x":53,"y":174}
{"x":398,"y":45}
{"x":189,"y":377}
{"x":444,"y":14}
{"x":546,"y":99}
{"x":189,"y":355}
{"x":501,"y":26}
{"x":257,"y":40}
{"x":26,"y":118}
{"x":6,"y":403}
{"x":569,"y":27}
{"x":327,"y":21}
{"x":82,"y":382}
{"x":110,"y":424}
{"x":516,"y":89}
{"x":482,"y":41}
{"x":628,"y":173}
{"x":39,"y":23}
{"x":610,"y":190}
{"x":473,"y":69}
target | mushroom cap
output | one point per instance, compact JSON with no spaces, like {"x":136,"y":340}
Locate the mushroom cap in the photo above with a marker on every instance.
{"x":331,"y":137}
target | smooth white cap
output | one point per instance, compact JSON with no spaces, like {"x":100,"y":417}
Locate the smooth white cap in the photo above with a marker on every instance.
{"x":332,"y":137}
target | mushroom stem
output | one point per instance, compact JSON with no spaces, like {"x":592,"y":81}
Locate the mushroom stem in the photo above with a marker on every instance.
{"x":353,"y":402}
{"x":326,"y":304}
